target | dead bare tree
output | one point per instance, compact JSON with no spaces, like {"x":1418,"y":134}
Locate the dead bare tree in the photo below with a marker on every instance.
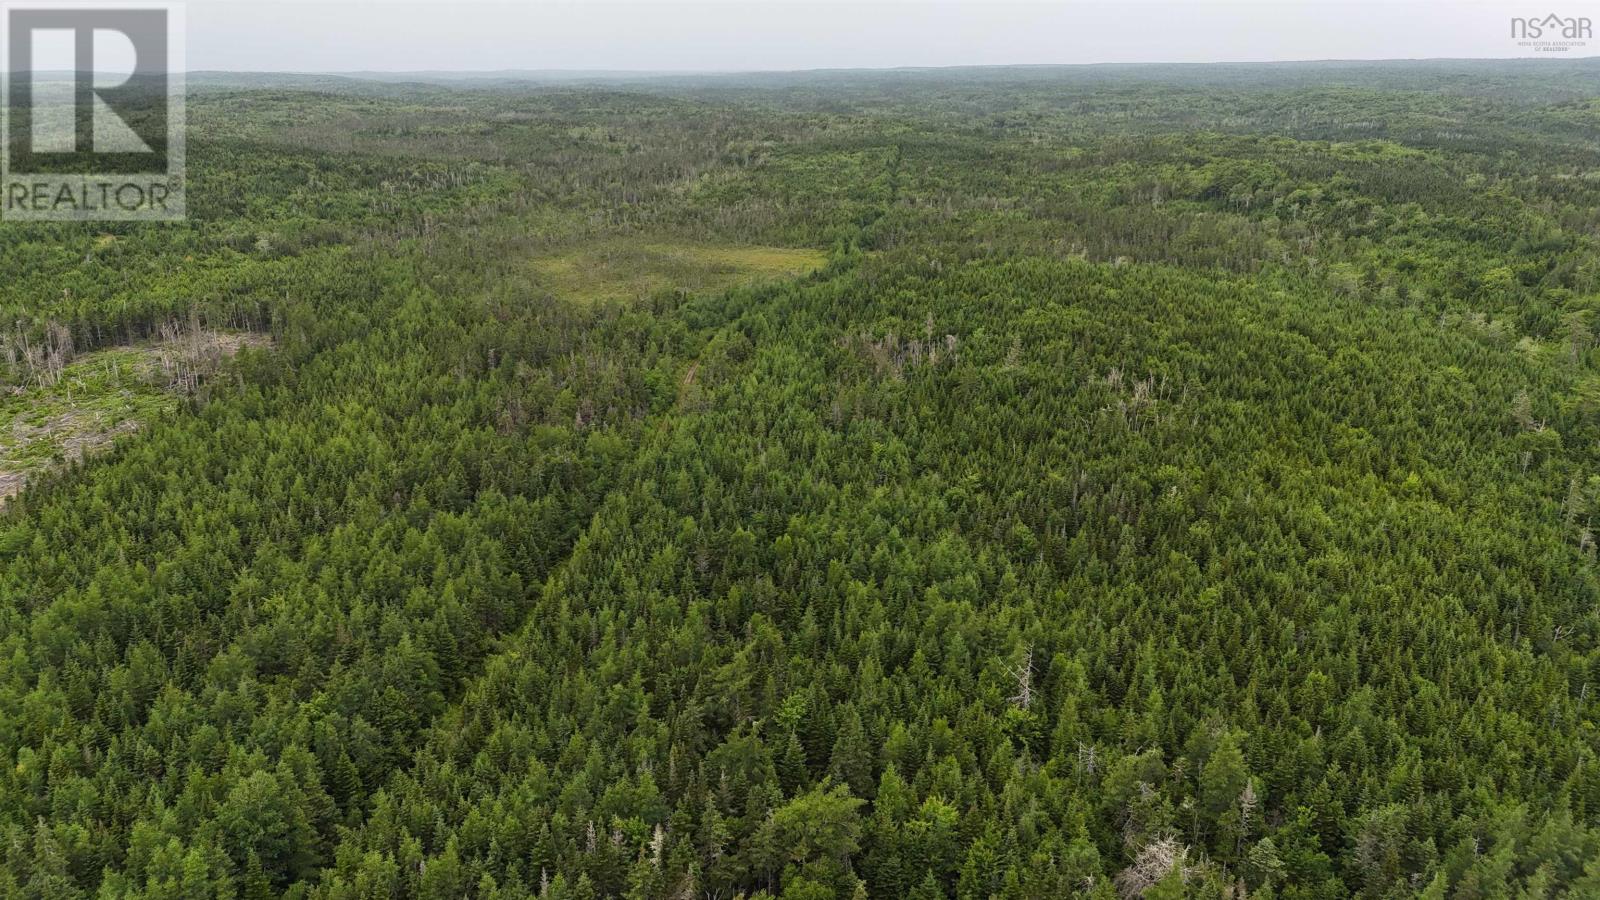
{"x":658,"y":844}
{"x":1088,"y":758}
{"x":1153,"y":864}
{"x":1248,"y":801}
{"x":188,"y":352}
{"x":1023,"y":673}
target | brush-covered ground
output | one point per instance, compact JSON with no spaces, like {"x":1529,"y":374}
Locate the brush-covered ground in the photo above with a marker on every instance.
{"x":59,"y":417}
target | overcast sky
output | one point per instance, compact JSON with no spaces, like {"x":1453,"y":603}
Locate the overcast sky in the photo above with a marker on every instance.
{"x":468,"y":35}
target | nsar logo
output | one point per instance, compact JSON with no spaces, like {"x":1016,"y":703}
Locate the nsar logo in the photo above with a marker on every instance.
{"x":1552,"y":33}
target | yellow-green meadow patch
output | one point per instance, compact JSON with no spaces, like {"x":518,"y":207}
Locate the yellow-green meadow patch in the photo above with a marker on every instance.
{"x":627,"y":270}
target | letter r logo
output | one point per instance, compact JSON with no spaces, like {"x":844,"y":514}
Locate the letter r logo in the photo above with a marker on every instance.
{"x":87,"y":89}
{"x":92,"y":111}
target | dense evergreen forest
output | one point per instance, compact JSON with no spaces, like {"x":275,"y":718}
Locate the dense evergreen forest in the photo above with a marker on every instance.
{"x":1112,"y":482}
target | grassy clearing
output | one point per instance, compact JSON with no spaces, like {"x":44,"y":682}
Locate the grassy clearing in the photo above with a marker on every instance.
{"x":627,"y":270}
{"x":98,"y":397}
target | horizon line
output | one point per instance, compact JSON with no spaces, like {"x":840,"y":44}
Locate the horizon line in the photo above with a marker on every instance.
{"x":606,"y":70}
{"x":691,"y":73}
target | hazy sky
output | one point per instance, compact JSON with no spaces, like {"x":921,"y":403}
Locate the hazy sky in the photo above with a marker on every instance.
{"x":291,"y":35}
